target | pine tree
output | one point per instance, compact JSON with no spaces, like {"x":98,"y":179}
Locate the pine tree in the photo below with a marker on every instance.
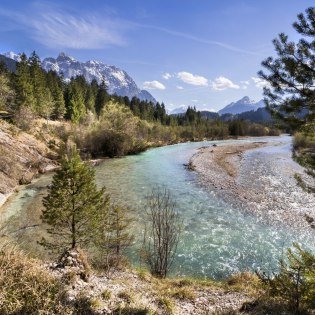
{"x":291,"y":94}
{"x":23,"y":85}
{"x":119,"y":224}
{"x":295,"y":282}
{"x":55,"y":86}
{"x":291,"y":75}
{"x":75,"y":102}
{"x":38,"y":81}
{"x":113,"y":236}
{"x":90,"y":100}
{"x":101,"y":98}
{"x":73,"y":205}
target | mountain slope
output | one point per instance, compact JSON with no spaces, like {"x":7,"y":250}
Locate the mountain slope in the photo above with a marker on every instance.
{"x":117,"y":80}
{"x":242,"y":105}
{"x":8,"y":62}
{"x":179,"y":110}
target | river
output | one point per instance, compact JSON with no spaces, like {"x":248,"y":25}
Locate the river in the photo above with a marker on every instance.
{"x":218,"y":238}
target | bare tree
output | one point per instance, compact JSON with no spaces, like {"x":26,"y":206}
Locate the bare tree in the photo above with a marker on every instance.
{"x":162,"y":232}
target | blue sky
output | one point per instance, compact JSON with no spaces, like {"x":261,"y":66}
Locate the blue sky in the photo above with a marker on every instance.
{"x":204,"y":53}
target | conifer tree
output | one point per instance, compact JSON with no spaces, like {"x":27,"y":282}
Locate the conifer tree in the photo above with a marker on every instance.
{"x":119,"y":225}
{"x":56,"y":88}
{"x":38,"y":82}
{"x":113,"y":235}
{"x":101,"y":98}
{"x":73,"y":205}
{"x":290,"y":95}
{"x":23,"y":85}
{"x":75,"y":102}
{"x":6,"y":92}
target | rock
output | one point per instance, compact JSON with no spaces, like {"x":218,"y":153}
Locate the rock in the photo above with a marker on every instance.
{"x":74,"y":263}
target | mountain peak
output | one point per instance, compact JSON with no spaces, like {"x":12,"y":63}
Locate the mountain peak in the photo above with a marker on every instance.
{"x":246,"y":100}
{"x":12,"y":55}
{"x":117,"y":80}
{"x":243,"y":105}
{"x":63,"y":56}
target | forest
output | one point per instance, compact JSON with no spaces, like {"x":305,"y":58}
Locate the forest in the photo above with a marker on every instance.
{"x":103,"y":124}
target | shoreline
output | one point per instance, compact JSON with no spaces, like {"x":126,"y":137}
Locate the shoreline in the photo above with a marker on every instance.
{"x":237,"y":174}
{"x":5,"y":197}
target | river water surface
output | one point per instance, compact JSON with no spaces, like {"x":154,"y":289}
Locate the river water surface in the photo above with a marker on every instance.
{"x":218,"y":238}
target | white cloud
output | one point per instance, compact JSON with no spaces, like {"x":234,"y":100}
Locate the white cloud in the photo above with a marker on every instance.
{"x":153,"y":85}
{"x":244,"y":85}
{"x":195,"y":101}
{"x":222,"y":83}
{"x":192,"y":79}
{"x":178,"y":87}
{"x":260,"y":83}
{"x":166,"y":76}
{"x":55,"y":27}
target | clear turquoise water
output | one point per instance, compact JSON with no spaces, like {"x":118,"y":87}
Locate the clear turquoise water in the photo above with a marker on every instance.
{"x":218,"y":239}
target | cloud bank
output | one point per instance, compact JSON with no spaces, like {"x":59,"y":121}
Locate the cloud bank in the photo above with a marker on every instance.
{"x":153,"y":85}
{"x":192,"y":79}
{"x":222,"y":83}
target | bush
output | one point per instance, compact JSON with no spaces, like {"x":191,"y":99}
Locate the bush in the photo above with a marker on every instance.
{"x":294,"y":285}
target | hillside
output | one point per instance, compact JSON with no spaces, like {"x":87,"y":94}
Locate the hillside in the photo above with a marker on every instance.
{"x":22,"y":157}
{"x":8,"y":62}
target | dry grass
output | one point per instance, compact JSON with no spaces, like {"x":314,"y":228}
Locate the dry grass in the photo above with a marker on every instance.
{"x":246,"y":282}
{"x":25,"y":287}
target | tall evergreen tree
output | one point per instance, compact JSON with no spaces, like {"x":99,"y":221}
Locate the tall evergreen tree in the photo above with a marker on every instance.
{"x":38,"y":82}
{"x":73,"y":204}
{"x":23,"y":84}
{"x":101,"y":98}
{"x":55,"y":86}
{"x":75,"y":102}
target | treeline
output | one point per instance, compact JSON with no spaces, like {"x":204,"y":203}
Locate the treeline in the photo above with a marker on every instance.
{"x":105,"y":124}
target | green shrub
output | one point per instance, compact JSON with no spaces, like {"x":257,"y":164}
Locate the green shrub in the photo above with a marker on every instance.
{"x":294,"y":285}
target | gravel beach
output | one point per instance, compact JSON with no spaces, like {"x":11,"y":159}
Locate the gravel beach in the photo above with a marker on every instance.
{"x":257,"y":177}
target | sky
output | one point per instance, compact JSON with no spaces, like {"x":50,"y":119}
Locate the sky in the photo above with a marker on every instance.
{"x":203,"y":53}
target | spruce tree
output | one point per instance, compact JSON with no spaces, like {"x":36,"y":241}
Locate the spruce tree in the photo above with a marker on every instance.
{"x":73,"y":205}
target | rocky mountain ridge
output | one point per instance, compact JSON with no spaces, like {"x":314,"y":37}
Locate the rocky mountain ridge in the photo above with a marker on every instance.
{"x":245,"y":104}
{"x":117,"y":80}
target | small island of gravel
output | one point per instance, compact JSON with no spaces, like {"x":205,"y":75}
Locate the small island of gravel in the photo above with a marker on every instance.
{"x":258,"y":177}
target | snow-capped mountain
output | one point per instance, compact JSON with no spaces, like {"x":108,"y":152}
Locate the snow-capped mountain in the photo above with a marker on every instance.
{"x":117,"y":80}
{"x":179,"y":110}
{"x":243,"y":105}
{"x":12,"y":55}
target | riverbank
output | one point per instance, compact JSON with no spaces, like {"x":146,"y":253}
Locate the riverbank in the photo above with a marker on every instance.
{"x":22,"y":158}
{"x":258,"y":178}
